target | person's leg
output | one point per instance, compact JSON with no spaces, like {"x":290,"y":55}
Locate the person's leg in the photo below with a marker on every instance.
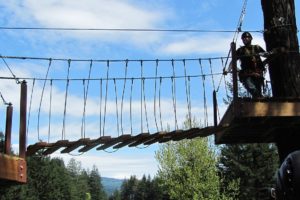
{"x":252,"y":87}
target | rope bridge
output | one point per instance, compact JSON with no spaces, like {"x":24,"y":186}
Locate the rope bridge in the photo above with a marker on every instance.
{"x":120,"y":102}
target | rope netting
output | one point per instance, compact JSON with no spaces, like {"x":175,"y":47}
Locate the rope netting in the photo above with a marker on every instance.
{"x":77,"y":99}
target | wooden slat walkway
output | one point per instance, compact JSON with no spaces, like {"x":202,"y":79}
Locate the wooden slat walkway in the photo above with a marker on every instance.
{"x":105,"y":142}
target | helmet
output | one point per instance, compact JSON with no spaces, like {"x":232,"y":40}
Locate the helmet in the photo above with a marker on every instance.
{"x":288,"y":178}
{"x":246,"y":34}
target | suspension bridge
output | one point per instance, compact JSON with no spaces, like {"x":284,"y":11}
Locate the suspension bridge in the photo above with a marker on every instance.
{"x":101,"y":104}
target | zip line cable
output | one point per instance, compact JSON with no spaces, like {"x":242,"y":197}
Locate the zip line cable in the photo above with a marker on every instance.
{"x":7,"y":66}
{"x":121,"y":29}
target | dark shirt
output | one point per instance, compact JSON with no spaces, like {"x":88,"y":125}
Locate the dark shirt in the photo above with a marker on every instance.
{"x":250,"y":60}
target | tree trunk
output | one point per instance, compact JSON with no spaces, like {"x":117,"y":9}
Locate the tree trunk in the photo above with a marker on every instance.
{"x":284,"y":65}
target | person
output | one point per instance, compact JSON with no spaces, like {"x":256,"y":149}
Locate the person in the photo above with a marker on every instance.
{"x":288,"y":178}
{"x":252,"y":67}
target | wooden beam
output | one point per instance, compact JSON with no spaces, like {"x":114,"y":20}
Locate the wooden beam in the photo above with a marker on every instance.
{"x":13,"y":169}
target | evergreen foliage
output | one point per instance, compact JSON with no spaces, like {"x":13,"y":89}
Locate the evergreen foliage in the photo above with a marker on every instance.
{"x":254,"y":165}
{"x":51,"y":179}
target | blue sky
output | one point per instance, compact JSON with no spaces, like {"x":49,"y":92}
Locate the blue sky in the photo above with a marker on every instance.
{"x":115,"y":45}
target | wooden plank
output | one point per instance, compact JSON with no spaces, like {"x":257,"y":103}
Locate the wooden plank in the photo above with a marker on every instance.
{"x":269,"y":109}
{"x":75,"y":145}
{"x":55,"y":146}
{"x":93,"y":143}
{"x":145,"y":139}
{"x":131,"y":140}
{"x":184,"y":134}
{"x":32,"y":149}
{"x":114,"y":141}
{"x":155,"y":138}
{"x":170,"y":135}
{"x":204,"y":132}
{"x":13,"y":169}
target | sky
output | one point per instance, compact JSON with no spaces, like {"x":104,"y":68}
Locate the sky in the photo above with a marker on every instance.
{"x":130,"y":106}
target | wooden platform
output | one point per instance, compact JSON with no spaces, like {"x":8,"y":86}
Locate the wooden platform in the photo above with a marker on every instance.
{"x":12,"y":169}
{"x":105,"y":142}
{"x":258,"y":121}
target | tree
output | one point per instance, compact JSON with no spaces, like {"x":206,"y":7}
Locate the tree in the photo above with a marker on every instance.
{"x":281,"y":37}
{"x":95,"y":187}
{"x":187,"y":169}
{"x":2,"y":139}
{"x":253,"y":164}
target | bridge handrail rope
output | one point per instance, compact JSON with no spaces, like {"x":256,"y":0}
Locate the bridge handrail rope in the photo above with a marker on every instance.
{"x":123,"y":93}
{"x":106,"y":92}
{"x":100,"y":107}
{"x":174,"y":94}
{"x":29,"y":109}
{"x":85,"y":96}
{"x":117,"y":112}
{"x":50,"y":110}
{"x":41,"y":99}
{"x":187,"y":95}
{"x":155,"y":91}
{"x":204,"y":94}
{"x":63,"y":133}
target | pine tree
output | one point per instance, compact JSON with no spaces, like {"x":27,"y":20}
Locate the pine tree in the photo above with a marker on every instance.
{"x":95,"y":186}
{"x":253,"y":164}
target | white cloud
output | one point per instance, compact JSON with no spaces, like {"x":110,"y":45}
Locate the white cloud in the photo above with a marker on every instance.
{"x":206,"y":44}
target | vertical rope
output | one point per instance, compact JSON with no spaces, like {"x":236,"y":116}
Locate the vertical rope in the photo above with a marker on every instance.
{"x":204,"y":94}
{"x":174,"y":94}
{"x":117,"y":113}
{"x":100,"y":108}
{"x":145,"y":105}
{"x":43,"y":89}
{"x":63,"y":133}
{"x":85,"y":96}
{"x":187,"y":95}
{"x":29,"y":112}
{"x":83,"y":112}
{"x":131,"y":88}
{"x":50,"y":111}
{"x":159,"y":102}
{"x":105,"y":103}
{"x":212,"y":75}
{"x":190,"y":102}
{"x":142,"y":97}
{"x":155,"y":88}
{"x":123,"y":93}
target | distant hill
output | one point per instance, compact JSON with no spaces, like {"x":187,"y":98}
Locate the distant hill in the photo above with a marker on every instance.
{"x":111,"y":184}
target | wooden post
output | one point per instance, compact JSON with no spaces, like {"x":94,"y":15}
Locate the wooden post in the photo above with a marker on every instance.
{"x":22,"y":131}
{"x":215,"y":108}
{"x":8,"y":126}
{"x":234,"y":72}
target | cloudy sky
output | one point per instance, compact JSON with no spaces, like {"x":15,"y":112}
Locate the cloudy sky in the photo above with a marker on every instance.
{"x":130,"y":107}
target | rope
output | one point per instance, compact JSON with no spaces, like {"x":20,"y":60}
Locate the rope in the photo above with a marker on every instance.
{"x":142,"y":97}
{"x":174,"y":95}
{"x":100,"y":108}
{"x":115,"y":84}
{"x":145,"y":105}
{"x":131,"y":88}
{"x":11,"y":72}
{"x":159,"y":102}
{"x":154,"y":105}
{"x":85,"y":97}
{"x":3,"y":100}
{"x":187,"y":95}
{"x":50,"y":112}
{"x":83,"y":112}
{"x":204,"y":95}
{"x":30,"y":103}
{"x":105,"y":104}
{"x":42,"y":95}
{"x":63,"y":133}
{"x":123,"y":93}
